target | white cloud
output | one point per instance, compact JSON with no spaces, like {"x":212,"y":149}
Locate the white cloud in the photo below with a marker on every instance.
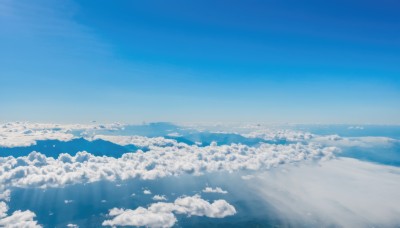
{"x":37,"y":170}
{"x":326,"y":140}
{"x":136,"y":140}
{"x":339,"y":193}
{"x":214,"y":190}
{"x":140,"y":217}
{"x":17,"y":218}
{"x":356,"y":128}
{"x":364,"y":142}
{"x":247,"y":177}
{"x":5,"y":195}
{"x":21,"y":135}
{"x":174,"y":134}
{"x":18,"y":134}
{"x":146,"y":192}
{"x":162,"y":214}
{"x":196,"y":206}
{"x":72,"y":225}
{"x":278,"y":134}
{"x":3,"y":209}
{"x":159,"y":198}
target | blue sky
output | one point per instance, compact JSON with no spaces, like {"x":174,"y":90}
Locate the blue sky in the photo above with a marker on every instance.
{"x":200,"y":61}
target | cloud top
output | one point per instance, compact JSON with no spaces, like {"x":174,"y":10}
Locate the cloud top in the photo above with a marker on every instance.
{"x":37,"y":170}
{"x":162,"y":214}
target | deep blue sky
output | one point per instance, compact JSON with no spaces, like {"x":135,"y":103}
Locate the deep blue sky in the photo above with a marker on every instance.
{"x":200,"y":61}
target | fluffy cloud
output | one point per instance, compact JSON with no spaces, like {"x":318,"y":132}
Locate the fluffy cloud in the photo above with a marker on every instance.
{"x":17,"y":218}
{"x":3,"y":209}
{"x":5,"y":195}
{"x":162,"y":214}
{"x":37,"y":170}
{"x":26,"y":134}
{"x":278,"y":135}
{"x":159,"y":198}
{"x":16,"y":137}
{"x":137,"y":140}
{"x":140,"y":217}
{"x":214,"y":190}
{"x":338,"y":193}
{"x":364,"y":142}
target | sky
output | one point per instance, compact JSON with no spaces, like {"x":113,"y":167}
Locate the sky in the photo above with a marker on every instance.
{"x":200,"y":61}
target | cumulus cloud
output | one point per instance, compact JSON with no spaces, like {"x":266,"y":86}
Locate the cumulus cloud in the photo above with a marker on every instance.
{"x":5,"y":195}
{"x":3,"y":209}
{"x":338,"y":193}
{"x":174,"y":134}
{"x":146,"y":192}
{"x":159,"y":198}
{"x":327,"y":140}
{"x":214,"y":190}
{"x":37,"y":170}
{"x":140,"y":217}
{"x":278,"y":135}
{"x":17,"y":218}
{"x":363,"y":142}
{"x":136,"y":140}
{"x":17,"y":134}
{"x":162,"y":214}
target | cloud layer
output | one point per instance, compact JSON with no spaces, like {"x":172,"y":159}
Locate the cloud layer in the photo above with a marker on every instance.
{"x":343,"y":192}
{"x":37,"y":170}
{"x":17,"y":134}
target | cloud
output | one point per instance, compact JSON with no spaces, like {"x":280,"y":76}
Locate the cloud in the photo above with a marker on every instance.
{"x":339,"y":193}
{"x":174,"y":134}
{"x":162,"y":214}
{"x":5,"y":195}
{"x":363,"y":142}
{"x":3,"y":209}
{"x":137,"y":140}
{"x":159,"y":198}
{"x":356,"y":128}
{"x":214,"y":190}
{"x":146,"y":192}
{"x":37,"y":170}
{"x":21,"y":134}
{"x":292,"y":136}
{"x":279,"y":135}
{"x":140,"y":217}
{"x":72,"y":225}
{"x":17,"y":218}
